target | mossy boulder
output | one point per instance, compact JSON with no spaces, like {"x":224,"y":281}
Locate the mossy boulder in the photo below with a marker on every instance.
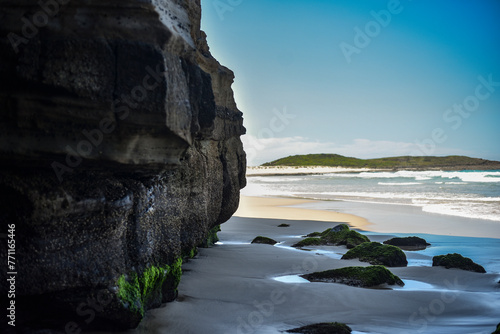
{"x":264,"y":240}
{"x":497,"y":331}
{"x":456,"y":261}
{"x":323,"y":328}
{"x":408,"y":243}
{"x":308,"y":242}
{"x":338,"y":235}
{"x":356,"y":276}
{"x":377,"y":253}
{"x":342,"y":235}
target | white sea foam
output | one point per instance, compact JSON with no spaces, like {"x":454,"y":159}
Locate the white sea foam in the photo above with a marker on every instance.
{"x":472,"y":194}
{"x":422,"y":178}
{"x":255,"y":189}
{"x":470,"y":207}
{"x":485,"y":211}
{"x":277,"y":179}
{"x":416,"y":285}
{"x":465,"y":176}
{"x":414,"y":196}
{"x":399,"y":183}
{"x":291,"y":279}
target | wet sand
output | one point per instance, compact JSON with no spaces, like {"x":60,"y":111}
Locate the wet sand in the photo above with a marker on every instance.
{"x":286,"y":208}
{"x":382,"y":218}
{"x":231,"y":288}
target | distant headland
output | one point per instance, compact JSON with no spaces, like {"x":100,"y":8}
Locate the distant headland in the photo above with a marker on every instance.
{"x":452,"y":162}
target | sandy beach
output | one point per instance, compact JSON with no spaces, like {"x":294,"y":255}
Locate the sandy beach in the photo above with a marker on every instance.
{"x":366,"y":216}
{"x":232,"y":288}
{"x":286,"y":208}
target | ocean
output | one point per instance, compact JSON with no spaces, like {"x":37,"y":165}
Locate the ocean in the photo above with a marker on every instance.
{"x":441,"y":198}
{"x":468,"y":194}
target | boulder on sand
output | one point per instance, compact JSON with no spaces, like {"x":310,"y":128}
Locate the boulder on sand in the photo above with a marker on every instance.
{"x":377,"y":253}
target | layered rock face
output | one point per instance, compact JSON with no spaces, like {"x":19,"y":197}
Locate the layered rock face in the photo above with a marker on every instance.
{"x":119,"y":151}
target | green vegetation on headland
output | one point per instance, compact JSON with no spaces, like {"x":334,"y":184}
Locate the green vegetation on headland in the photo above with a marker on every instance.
{"x":453,"y":162}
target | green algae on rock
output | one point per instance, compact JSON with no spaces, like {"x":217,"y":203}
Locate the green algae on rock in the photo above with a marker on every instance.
{"x":264,"y":240}
{"x":129,"y":293}
{"x":323,"y":328}
{"x":139,"y":293}
{"x":212,"y":237}
{"x":408,"y":243}
{"x":356,"y":276}
{"x":378,"y":254}
{"x":308,"y":242}
{"x":338,"y":235}
{"x":456,"y":261}
{"x":342,"y":235}
{"x":187,"y":255}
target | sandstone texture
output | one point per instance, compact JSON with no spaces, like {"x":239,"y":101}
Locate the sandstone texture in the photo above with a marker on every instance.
{"x":120,"y":153}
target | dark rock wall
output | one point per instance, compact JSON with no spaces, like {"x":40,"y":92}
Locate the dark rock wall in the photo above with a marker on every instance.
{"x":119,"y":150}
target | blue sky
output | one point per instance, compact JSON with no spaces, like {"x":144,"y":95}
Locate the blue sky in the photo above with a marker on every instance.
{"x":362,"y":78}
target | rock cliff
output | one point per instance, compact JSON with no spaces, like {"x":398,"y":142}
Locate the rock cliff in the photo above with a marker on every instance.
{"x":120,"y":152}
